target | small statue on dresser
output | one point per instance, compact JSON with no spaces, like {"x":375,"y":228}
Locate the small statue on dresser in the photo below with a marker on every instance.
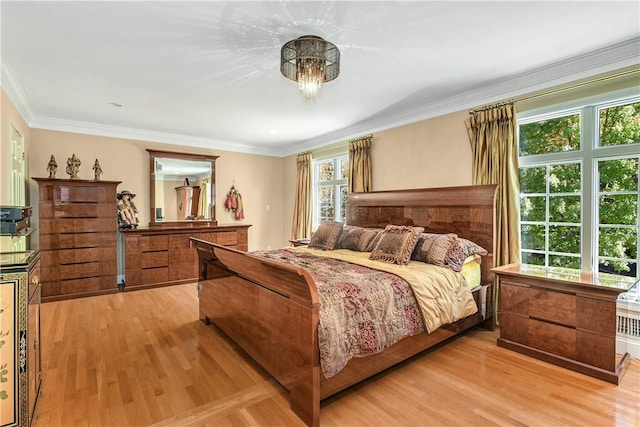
{"x":97,"y":170}
{"x":73,"y":166}
{"x":127,"y":211}
{"x":52,"y":167}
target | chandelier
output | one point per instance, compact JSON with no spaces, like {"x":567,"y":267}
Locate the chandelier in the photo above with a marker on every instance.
{"x":310,"y":61}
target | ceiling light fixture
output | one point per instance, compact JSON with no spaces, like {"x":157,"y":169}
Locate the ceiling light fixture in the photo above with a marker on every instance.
{"x":310,"y":61}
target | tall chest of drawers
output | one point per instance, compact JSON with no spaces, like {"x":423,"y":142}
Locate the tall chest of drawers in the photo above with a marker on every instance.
{"x":562,"y":318}
{"x":78,"y":235}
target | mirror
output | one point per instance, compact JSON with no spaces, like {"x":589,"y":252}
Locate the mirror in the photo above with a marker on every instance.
{"x":182,"y":188}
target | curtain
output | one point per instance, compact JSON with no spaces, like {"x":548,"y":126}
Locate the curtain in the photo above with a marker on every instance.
{"x":492,"y":133}
{"x":301,"y":227}
{"x":203,"y":202}
{"x":360,"y":164}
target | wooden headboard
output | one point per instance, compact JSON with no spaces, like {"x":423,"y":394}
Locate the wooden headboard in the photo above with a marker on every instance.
{"x":468,"y":211}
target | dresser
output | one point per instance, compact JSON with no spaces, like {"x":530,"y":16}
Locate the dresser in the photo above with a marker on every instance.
{"x":78,"y":233}
{"x":21,"y":371}
{"x":162,"y":256}
{"x":563,"y":317}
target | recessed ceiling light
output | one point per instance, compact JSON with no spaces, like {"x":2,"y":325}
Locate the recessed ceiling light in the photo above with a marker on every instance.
{"x":114,"y":104}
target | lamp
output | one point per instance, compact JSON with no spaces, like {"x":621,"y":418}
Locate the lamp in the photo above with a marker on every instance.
{"x":310,"y":61}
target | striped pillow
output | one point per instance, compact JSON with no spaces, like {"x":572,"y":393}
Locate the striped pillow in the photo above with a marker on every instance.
{"x":433,"y":248}
{"x":396,"y":244}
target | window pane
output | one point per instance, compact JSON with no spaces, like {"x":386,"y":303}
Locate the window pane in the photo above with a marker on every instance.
{"x":343,"y":202}
{"x":326,"y":200}
{"x":619,"y":209}
{"x":550,"y":136}
{"x":325,"y":171}
{"x":564,"y":209}
{"x":618,"y":175}
{"x":533,"y":237}
{"x":564,"y":178}
{"x":564,"y":261}
{"x":533,"y":208}
{"x":532,"y":258}
{"x":616,"y":267}
{"x":344,"y":168}
{"x":620,"y":125}
{"x":618,"y":242}
{"x":564,"y":239}
{"x":533,"y":180}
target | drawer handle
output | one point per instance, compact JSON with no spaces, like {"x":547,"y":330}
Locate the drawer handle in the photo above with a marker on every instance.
{"x":552,"y":322}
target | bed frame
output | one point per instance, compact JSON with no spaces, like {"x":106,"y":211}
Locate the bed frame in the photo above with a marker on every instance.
{"x":271,"y":309}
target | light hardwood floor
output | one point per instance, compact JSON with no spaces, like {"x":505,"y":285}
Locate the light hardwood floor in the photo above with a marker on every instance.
{"x":143,"y":358}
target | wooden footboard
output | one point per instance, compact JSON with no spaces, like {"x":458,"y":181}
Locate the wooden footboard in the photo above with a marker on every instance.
{"x":271,"y":311}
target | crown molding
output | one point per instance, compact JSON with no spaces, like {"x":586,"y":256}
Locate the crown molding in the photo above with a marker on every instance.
{"x":14,"y":91}
{"x":147,"y":135}
{"x":604,"y":60}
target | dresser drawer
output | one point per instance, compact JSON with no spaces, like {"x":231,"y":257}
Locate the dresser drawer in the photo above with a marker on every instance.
{"x":155,"y":275}
{"x":227,"y":238}
{"x":155,"y":259}
{"x":154,"y":243}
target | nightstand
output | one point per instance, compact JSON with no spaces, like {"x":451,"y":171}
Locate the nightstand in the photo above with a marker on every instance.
{"x":563,"y":317}
{"x":299,"y":242}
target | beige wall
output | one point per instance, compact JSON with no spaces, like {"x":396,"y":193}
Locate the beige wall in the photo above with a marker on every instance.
{"x":430,"y":153}
{"x":257,"y":178}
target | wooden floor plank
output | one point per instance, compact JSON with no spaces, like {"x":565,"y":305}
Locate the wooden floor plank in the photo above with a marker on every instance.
{"x":143,"y":358}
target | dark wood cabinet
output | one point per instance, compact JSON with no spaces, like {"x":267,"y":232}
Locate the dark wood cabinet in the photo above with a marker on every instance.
{"x":20,"y":349}
{"x":562,"y":318}
{"x":78,"y":230}
{"x":162,"y":256}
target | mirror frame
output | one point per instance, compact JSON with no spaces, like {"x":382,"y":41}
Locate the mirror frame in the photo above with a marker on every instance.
{"x":153,"y":155}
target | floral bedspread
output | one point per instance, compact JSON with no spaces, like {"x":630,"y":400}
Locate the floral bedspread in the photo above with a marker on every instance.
{"x":362,"y":311}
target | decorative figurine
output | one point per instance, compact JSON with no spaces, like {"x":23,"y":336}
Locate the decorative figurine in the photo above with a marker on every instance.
{"x":127,"y":211}
{"x":73,"y":166}
{"x":97,"y":170}
{"x":52,"y":167}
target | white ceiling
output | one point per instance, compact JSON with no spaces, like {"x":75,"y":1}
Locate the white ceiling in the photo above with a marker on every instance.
{"x":206,"y":73}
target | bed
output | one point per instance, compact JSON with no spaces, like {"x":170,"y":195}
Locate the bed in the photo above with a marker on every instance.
{"x":271,"y":309}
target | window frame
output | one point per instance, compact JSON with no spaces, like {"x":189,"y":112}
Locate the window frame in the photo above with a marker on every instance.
{"x":336,"y":183}
{"x":588,"y":155}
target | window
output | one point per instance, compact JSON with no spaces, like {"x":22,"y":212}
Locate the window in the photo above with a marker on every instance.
{"x":579,"y":200}
{"x":330,"y":189}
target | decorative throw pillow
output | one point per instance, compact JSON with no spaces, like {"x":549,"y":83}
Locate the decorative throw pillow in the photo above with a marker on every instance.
{"x":460,"y":250}
{"x":371,"y":239}
{"x":433,"y":248}
{"x":396,"y":244}
{"x":326,"y":236}
{"x":358,"y":238}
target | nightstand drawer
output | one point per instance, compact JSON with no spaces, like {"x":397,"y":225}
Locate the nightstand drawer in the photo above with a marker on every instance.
{"x":556,"y":339}
{"x":556,"y":307}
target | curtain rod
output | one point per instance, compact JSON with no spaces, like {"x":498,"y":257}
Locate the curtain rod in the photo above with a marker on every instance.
{"x":361,"y":138}
{"x":624,"y":73}
{"x":338,"y":144}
